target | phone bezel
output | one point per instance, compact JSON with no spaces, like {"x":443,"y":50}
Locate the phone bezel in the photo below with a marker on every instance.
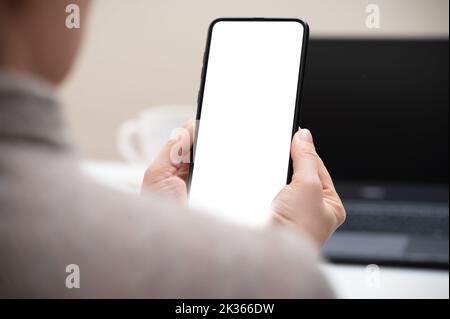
{"x":295,"y":123}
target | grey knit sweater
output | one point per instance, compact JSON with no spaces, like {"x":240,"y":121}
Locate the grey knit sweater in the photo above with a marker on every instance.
{"x":51,"y":215}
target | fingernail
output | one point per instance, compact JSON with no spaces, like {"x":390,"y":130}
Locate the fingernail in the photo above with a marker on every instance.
{"x":305,"y":135}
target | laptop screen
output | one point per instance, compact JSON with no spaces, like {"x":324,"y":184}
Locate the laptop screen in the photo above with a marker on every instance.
{"x":378,"y":109}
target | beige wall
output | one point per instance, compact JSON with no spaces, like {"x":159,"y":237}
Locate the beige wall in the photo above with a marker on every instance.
{"x":142,"y":53}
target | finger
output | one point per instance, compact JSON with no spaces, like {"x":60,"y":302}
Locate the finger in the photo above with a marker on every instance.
{"x":304,"y":158}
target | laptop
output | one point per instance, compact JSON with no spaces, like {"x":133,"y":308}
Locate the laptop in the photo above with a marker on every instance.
{"x":379,"y":113}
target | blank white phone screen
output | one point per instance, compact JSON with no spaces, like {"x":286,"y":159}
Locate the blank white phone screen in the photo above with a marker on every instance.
{"x":242,"y":149}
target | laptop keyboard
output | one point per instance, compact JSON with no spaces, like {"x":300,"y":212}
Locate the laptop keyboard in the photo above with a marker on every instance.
{"x":418,"y":219}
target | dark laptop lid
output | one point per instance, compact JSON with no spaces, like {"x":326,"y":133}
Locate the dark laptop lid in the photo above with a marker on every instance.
{"x":379,"y":113}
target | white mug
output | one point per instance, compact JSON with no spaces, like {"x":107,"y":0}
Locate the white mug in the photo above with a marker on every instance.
{"x":139,"y":140}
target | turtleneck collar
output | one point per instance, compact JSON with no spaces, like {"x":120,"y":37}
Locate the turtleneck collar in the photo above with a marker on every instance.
{"x":30,"y":112}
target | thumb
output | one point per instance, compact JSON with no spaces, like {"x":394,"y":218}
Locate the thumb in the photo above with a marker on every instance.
{"x":304,"y":158}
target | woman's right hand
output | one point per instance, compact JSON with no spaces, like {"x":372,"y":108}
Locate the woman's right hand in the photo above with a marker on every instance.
{"x":310,"y":202}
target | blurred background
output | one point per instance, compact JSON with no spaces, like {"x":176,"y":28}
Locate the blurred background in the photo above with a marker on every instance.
{"x":148,"y":53}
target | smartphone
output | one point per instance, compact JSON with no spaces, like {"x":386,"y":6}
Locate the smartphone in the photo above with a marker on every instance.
{"x":248,"y":107}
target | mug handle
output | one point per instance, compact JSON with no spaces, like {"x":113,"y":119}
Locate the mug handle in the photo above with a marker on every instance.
{"x":127,"y":131}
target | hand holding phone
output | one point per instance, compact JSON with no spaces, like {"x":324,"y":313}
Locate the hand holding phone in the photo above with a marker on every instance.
{"x":308,"y":202}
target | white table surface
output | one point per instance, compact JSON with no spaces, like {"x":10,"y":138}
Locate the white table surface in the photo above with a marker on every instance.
{"x":349,"y":281}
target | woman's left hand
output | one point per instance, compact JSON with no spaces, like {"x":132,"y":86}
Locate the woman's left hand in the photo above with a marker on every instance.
{"x":168,"y":173}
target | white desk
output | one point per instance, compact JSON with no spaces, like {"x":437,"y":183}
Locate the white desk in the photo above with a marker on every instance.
{"x":349,"y":281}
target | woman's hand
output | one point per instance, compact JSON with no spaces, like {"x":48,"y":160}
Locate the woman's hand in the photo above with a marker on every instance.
{"x":168,"y":173}
{"x":309,"y":202}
